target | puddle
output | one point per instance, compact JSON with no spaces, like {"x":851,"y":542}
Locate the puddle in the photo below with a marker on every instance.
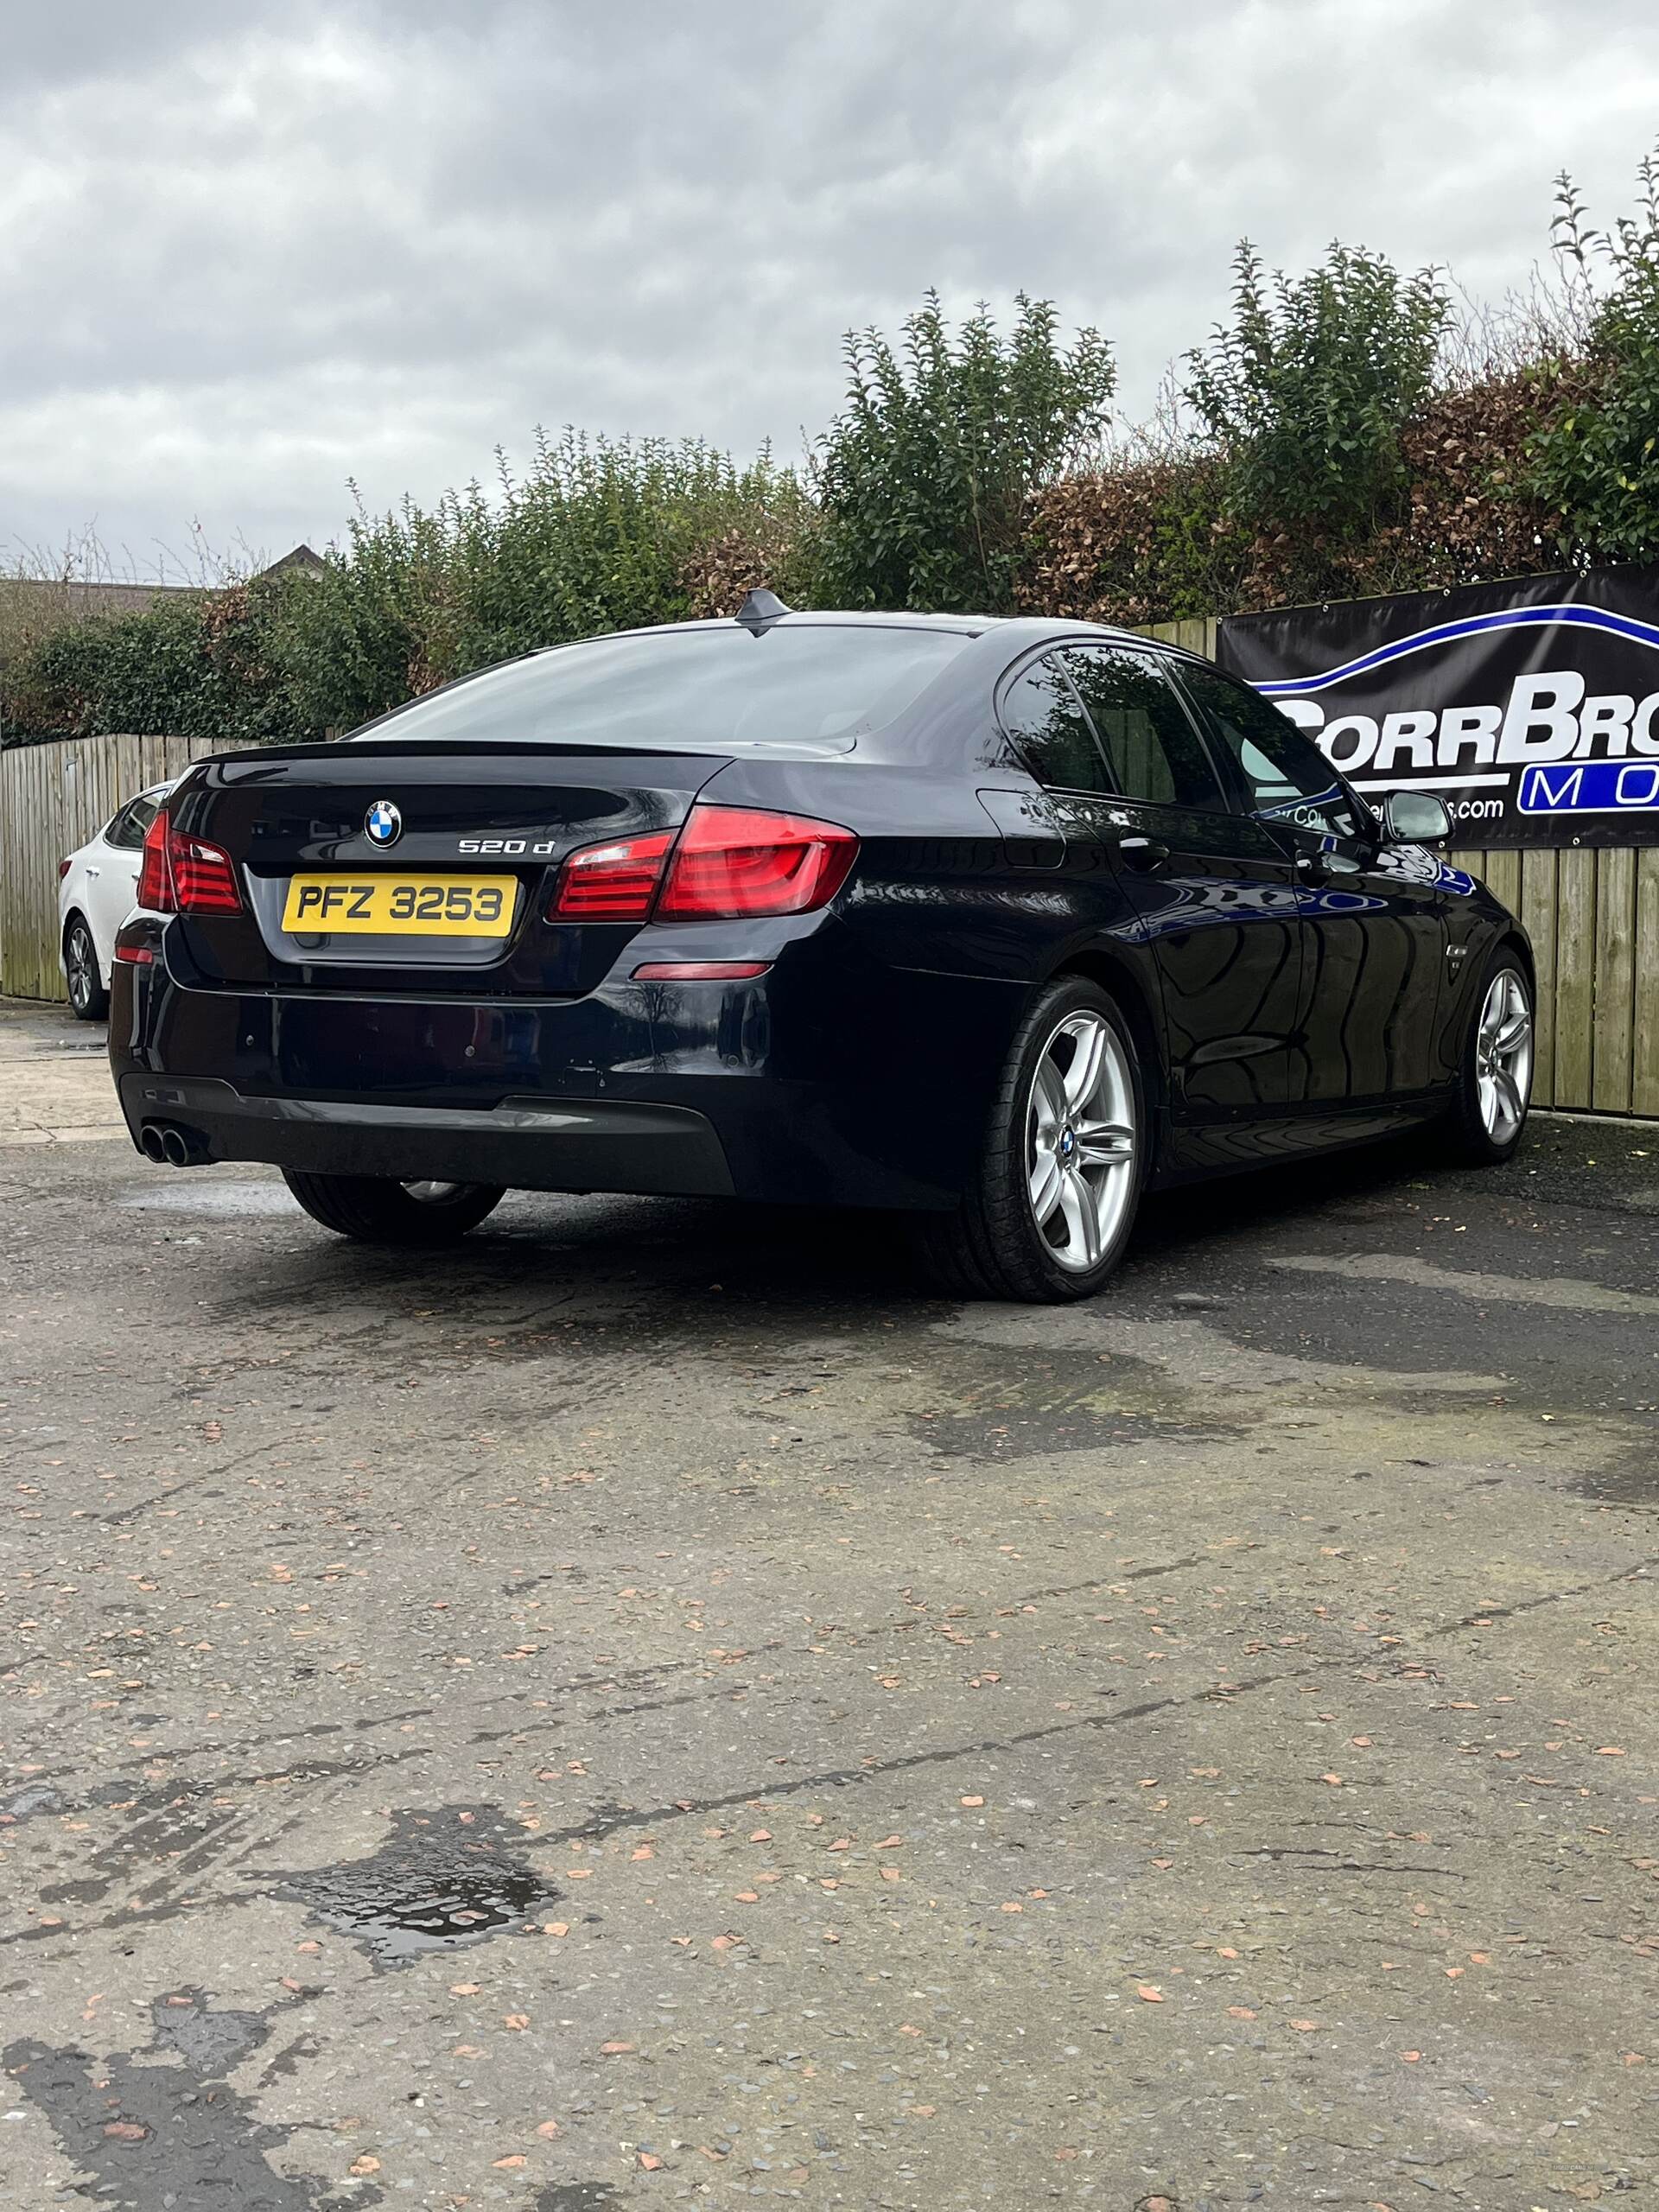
{"x":1014,"y":1404}
{"x":441,"y":1880}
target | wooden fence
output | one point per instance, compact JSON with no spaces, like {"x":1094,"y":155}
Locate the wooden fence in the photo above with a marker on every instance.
{"x":1594,"y":921}
{"x":1593,"y":915}
{"x":52,"y":798}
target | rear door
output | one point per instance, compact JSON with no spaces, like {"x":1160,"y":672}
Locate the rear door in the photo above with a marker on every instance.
{"x":1217,"y":898}
{"x":1377,"y":928}
{"x":1140,"y":806}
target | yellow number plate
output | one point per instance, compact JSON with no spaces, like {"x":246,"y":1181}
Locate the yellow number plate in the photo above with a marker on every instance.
{"x":399,"y":906}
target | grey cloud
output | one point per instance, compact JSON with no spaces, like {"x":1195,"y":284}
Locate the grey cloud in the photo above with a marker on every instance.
{"x":245,"y":253}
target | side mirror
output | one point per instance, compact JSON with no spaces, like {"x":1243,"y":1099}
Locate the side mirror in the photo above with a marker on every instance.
{"x":1416,"y":818}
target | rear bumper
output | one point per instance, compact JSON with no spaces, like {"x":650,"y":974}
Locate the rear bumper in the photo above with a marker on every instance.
{"x":529,"y":1143}
{"x":808,"y":1085}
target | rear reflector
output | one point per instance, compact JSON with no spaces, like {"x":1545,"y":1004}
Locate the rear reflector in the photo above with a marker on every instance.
{"x":615,"y":882}
{"x":732,"y":862}
{"x":699,"y":971}
{"x":185,"y":875}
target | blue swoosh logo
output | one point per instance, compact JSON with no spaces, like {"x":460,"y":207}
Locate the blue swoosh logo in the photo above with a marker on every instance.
{"x":1473,"y":626}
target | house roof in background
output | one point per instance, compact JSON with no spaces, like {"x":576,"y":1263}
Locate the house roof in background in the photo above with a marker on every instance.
{"x":33,"y":607}
{"x":301,"y":558}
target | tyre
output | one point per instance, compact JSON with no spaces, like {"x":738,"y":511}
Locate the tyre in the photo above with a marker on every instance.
{"x":371,"y":1209}
{"x":1065,"y":1158}
{"x":88,"y":1000}
{"x":1495,"y":1085}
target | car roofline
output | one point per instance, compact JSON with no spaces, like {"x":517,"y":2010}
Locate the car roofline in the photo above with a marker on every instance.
{"x":1017,"y":630}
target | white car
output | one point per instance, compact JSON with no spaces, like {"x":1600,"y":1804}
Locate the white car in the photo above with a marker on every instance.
{"x":97,"y":890}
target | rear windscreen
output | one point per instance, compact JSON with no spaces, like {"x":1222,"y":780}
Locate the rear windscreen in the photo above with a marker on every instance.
{"x":806,"y":687}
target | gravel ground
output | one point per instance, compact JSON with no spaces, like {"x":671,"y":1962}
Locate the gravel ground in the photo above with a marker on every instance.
{"x":650,"y":1709}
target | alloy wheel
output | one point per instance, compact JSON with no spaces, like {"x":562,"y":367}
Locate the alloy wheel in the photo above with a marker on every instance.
{"x":1081,"y":1141}
{"x":1504,"y":1056}
{"x":82,"y":962}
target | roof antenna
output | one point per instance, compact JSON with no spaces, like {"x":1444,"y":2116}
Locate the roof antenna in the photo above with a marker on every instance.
{"x":761,"y":608}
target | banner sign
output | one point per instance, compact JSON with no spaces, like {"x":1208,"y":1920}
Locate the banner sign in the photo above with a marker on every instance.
{"x":1531,"y":707}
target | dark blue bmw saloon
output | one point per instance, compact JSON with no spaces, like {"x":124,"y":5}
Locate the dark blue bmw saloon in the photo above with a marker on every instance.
{"x":995,"y":923}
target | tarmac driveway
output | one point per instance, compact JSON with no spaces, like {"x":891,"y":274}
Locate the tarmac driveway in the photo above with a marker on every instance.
{"x":649,"y":1708}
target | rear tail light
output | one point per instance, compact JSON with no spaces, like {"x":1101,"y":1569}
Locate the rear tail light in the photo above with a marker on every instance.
{"x":728,"y":863}
{"x":204,"y":881}
{"x":735,"y":861}
{"x":64,"y":867}
{"x":155,"y":885}
{"x":180,"y":874}
{"x":615,"y":882}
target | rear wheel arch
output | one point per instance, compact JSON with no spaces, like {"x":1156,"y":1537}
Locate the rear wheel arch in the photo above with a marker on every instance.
{"x":1512,"y":940}
{"x":1134,"y":1000}
{"x":1466,"y":1137}
{"x":1002,"y":1242}
{"x":1464,"y":1010}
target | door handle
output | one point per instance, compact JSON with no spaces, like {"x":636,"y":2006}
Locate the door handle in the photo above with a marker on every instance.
{"x":1144,"y":854}
{"x":1311,"y":869}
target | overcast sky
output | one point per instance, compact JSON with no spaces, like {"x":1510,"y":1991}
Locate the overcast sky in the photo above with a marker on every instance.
{"x":249,"y":252}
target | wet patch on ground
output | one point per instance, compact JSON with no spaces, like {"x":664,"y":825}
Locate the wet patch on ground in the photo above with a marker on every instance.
{"x":1011,"y":1406}
{"x":173,"y":1831}
{"x":578,"y":2196}
{"x":176,"y":1839}
{"x":149,"y":2135}
{"x":209,"y":2042}
{"x":1370,"y":1316}
{"x":1562,"y":1294}
{"x":28,"y":1803}
{"x":442,"y":1880}
{"x":1630,"y":1479}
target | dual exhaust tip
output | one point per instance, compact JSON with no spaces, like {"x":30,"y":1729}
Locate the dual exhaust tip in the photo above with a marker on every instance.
{"x":169,"y":1146}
